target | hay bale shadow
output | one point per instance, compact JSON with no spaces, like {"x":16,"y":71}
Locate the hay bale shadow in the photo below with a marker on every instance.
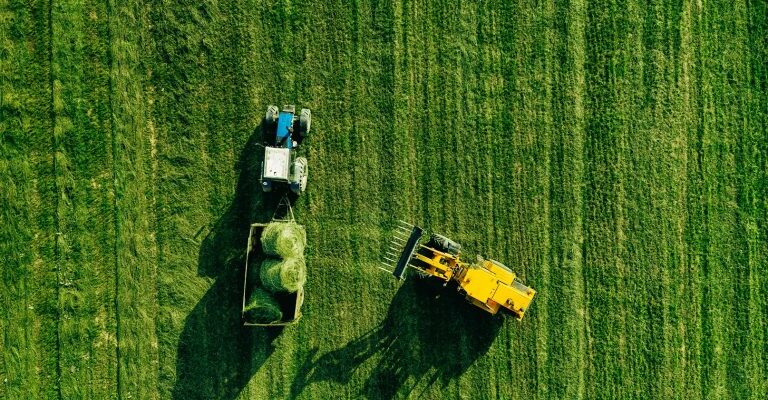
{"x":217,"y":355}
{"x":429,"y":333}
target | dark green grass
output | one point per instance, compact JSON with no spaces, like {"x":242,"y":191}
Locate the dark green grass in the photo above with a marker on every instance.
{"x":614,"y":154}
{"x":28,"y":304}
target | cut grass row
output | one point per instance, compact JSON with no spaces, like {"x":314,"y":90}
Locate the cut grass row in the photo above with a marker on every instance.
{"x":133,"y":148}
{"x":28,"y":344}
{"x":84,"y":199}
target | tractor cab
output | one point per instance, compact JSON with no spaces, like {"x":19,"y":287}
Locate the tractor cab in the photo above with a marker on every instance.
{"x":284,"y":131}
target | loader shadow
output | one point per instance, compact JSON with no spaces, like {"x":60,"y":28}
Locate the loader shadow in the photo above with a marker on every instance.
{"x":429,"y":333}
{"x":217,"y":355}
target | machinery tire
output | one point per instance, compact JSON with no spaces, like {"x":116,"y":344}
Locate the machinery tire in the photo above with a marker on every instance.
{"x":303,"y":177}
{"x":445,"y":245}
{"x":305,"y":121}
{"x":271,"y":117}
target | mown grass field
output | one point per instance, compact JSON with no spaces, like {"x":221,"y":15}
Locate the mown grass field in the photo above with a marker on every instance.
{"x":612,"y":153}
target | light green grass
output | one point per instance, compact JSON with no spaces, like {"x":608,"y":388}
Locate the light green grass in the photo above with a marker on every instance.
{"x":85,"y":199}
{"x":614,"y":154}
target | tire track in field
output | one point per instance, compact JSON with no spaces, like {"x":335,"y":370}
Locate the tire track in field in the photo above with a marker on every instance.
{"x":425,"y":78}
{"x":532,"y":133}
{"x":368,"y":90}
{"x":28,"y":321}
{"x":525,"y":209}
{"x":181,"y":47}
{"x":464,"y":163}
{"x":403,"y":146}
{"x":82,"y":147}
{"x":688,"y":290}
{"x":371,"y":110}
{"x":696,"y":225}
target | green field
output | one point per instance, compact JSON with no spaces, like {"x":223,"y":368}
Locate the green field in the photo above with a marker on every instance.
{"x":613,"y":153}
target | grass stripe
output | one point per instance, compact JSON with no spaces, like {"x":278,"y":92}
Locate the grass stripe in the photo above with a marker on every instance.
{"x":566,"y":327}
{"x":83,"y":175}
{"x":135,"y":247}
{"x":27,"y":288}
{"x":606,"y":199}
{"x":757,"y":28}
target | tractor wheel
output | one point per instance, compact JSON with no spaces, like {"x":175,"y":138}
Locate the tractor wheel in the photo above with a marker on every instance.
{"x":305,"y":121}
{"x":305,"y":172}
{"x":271,"y":117}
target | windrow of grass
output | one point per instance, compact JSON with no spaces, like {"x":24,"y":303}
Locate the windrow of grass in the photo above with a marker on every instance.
{"x":134,"y":170}
{"x":85,"y":204}
{"x":28,"y":307}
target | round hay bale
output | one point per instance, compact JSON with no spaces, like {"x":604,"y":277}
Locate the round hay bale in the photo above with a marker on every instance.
{"x":262,"y":308}
{"x":286,"y":275}
{"x":284,"y":239}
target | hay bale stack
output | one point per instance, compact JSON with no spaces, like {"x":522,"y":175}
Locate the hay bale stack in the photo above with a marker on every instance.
{"x":284,"y":239}
{"x":262,"y":308}
{"x":287,"y":275}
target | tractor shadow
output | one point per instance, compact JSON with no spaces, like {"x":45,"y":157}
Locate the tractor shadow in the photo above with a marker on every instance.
{"x":429,"y":333}
{"x":217,"y":355}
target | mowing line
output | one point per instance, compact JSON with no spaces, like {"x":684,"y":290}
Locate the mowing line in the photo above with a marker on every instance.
{"x":56,"y":224}
{"x":686,"y":292}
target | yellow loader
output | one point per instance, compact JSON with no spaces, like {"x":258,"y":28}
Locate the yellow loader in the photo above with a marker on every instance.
{"x":487,"y":284}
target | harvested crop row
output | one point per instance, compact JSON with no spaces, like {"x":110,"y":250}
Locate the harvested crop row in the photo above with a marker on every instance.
{"x":28,"y":324}
{"x":84,"y":184}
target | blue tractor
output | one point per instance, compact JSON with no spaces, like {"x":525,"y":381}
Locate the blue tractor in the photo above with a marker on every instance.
{"x":281,"y":167}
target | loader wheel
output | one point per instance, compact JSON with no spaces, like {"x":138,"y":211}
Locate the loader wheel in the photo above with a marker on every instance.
{"x":445,"y":245}
{"x":305,"y":121}
{"x":272,"y":113}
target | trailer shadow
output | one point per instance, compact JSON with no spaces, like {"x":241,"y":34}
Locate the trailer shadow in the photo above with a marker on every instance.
{"x":429,"y":334}
{"x":217,"y":355}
